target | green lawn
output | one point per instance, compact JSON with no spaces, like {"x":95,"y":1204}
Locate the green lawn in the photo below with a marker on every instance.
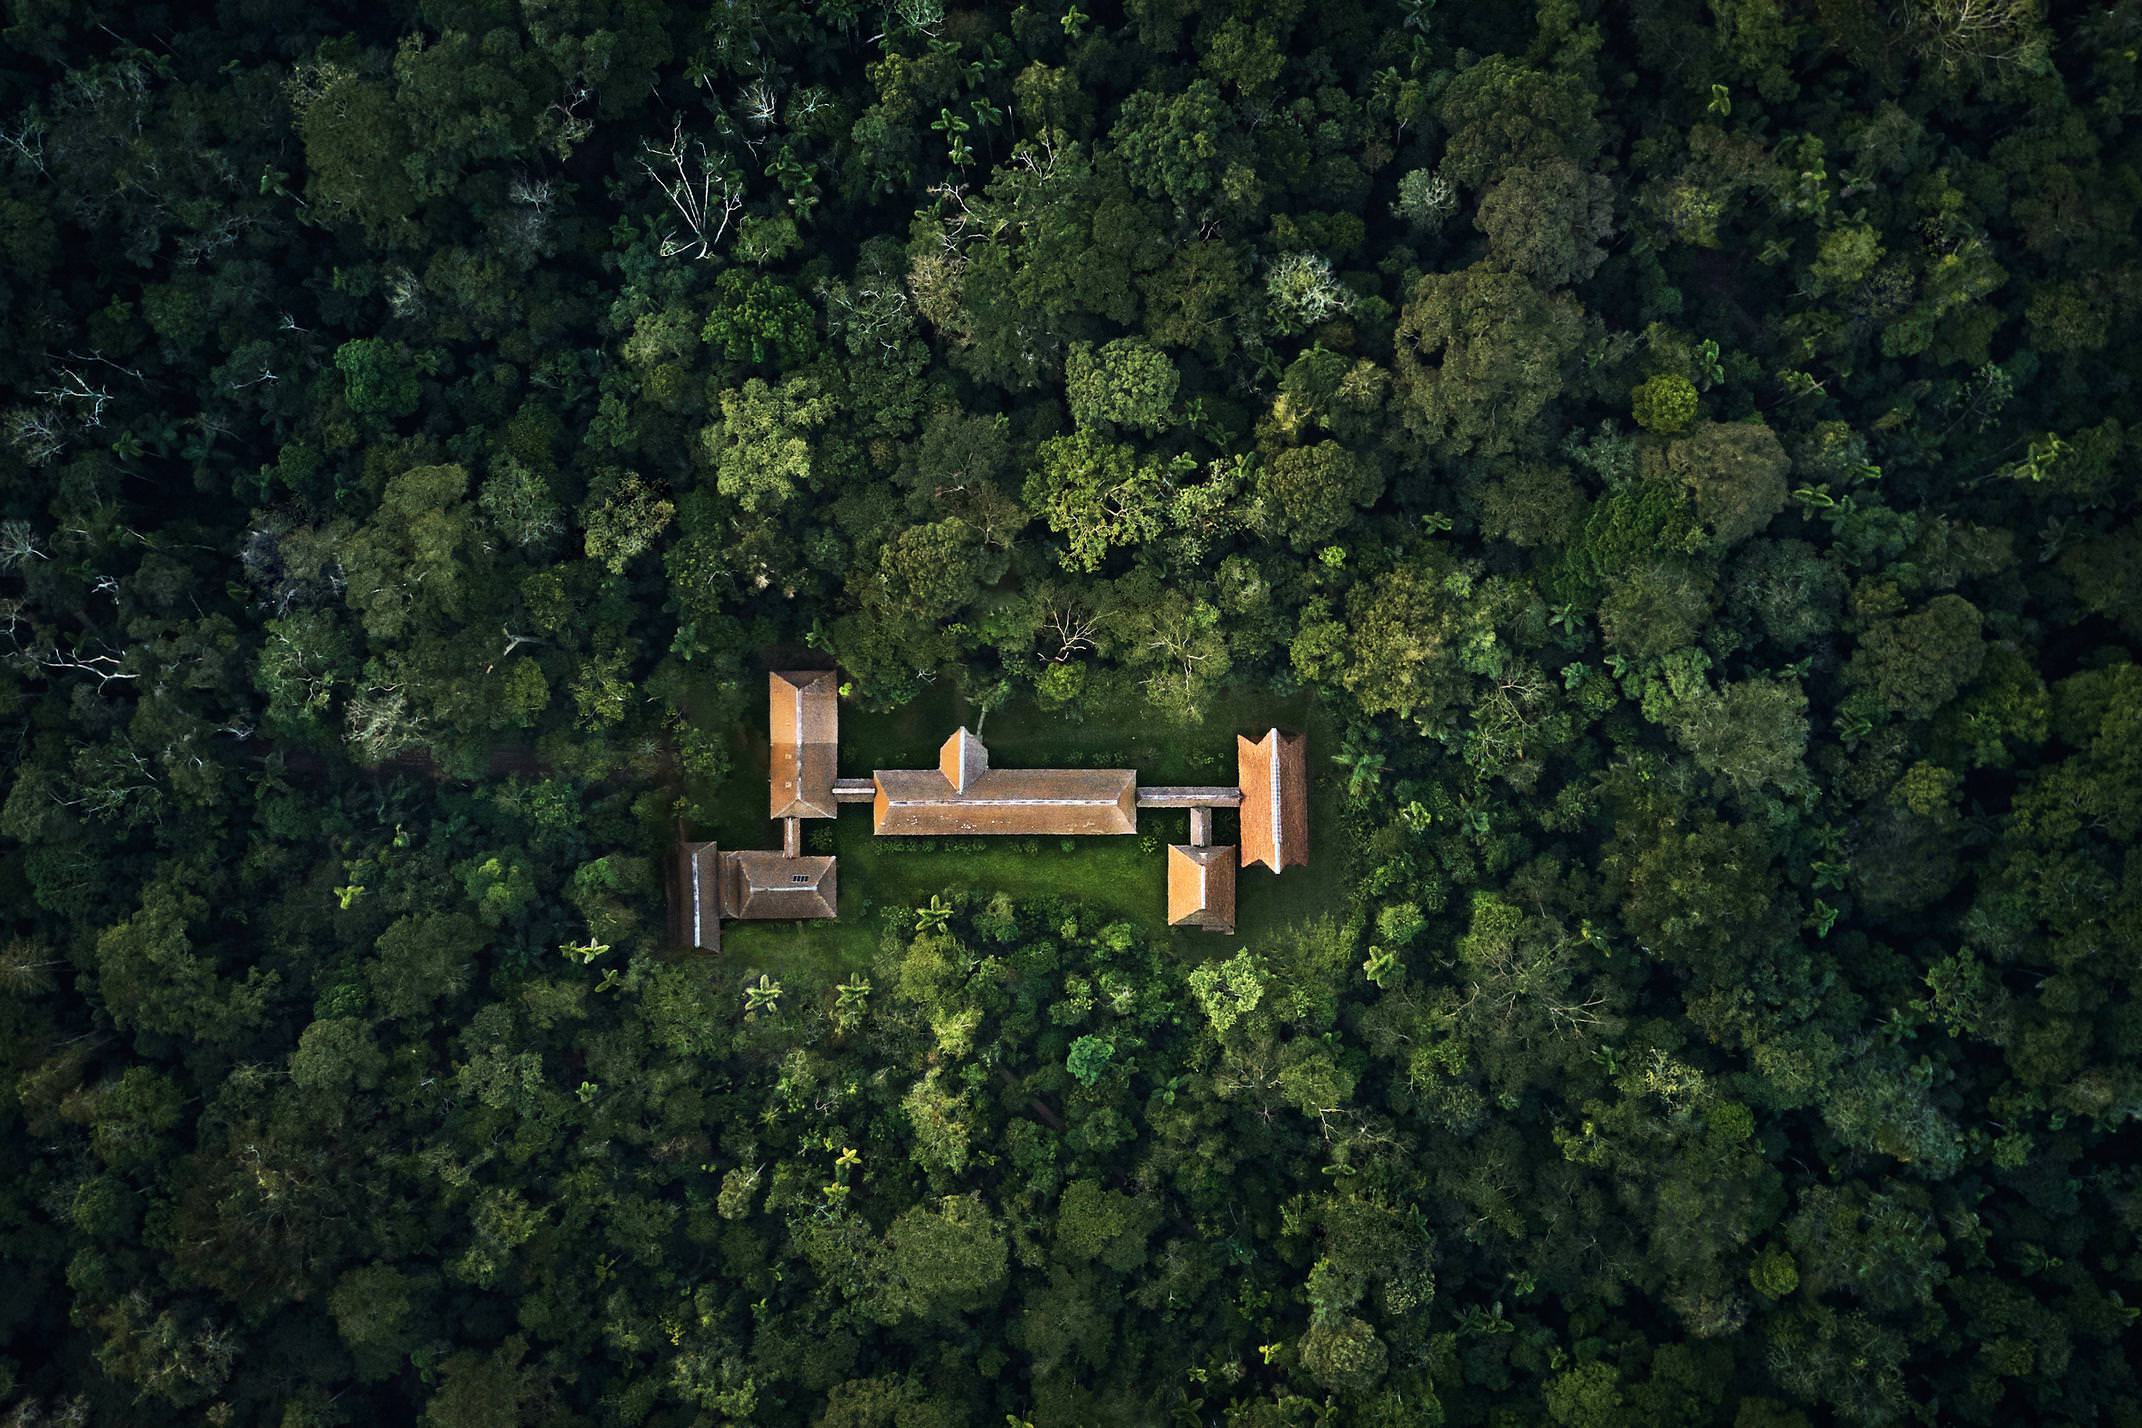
{"x":1126,"y":875}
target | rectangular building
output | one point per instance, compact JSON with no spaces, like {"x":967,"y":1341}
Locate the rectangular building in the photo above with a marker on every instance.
{"x":1201,"y":886}
{"x":803,"y":722}
{"x":1273,"y":773}
{"x":769,"y":886}
{"x":964,"y":795}
{"x":695,"y":897}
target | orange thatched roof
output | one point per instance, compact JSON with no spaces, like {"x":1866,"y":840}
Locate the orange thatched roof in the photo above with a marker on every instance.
{"x":803,"y":718}
{"x":1274,"y":776}
{"x":759,"y":886}
{"x":1201,"y":886}
{"x":963,"y":794}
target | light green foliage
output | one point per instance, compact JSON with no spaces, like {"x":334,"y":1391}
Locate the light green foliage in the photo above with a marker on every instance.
{"x":760,"y":449}
{"x":623,"y":519}
{"x":939,"y":1119}
{"x":1665,"y":404}
{"x":1773,"y":1273}
{"x":1845,"y":257}
{"x":1344,"y":1354}
{"x":1586,"y":1396}
{"x":1392,"y":649}
{"x":1228,"y":991}
{"x":1301,"y":291}
{"x":1089,"y":1058}
{"x":520,"y":504}
{"x":1425,"y":199}
{"x":1099,"y":497}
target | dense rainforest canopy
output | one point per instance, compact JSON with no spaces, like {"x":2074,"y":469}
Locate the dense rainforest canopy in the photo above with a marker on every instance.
{"x":1684,"y":452}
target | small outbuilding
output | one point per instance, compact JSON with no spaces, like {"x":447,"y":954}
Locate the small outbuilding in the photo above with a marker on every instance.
{"x":695,"y":897}
{"x":767,"y":886}
{"x":1201,"y":886}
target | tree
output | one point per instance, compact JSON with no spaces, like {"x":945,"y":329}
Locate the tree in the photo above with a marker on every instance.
{"x":754,"y":320}
{"x":1502,"y":113}
{"x":410,"y":566}
{"x":374,"y":1309}
{"x":1173,"y":145}
{"x":1099,"y":496}
{"x":1480,"y":356}
{"x":1344,"y":1355}
{"x":1228,"y":991}
{"x":1312,"y":491}
{"x":1735,"y":475}
{"x":1547,"y":221}
{"x":1127,"y":382}
{"x":355,"y":141}
{"x":1089,"y":1058}
{"x":1094,"y":1223}
{"x":761,"y":449}
{"x":379,"y":378}
{"x":1665,"y":404}
{"x":1751,"y":734}
{"x":153,"y":979}
{"x":1301,"y":291}
{"x":941,"y":1260}
{"x":623,"y":518}
{"x":1391,"y":651}
{"x":1912,"y":665}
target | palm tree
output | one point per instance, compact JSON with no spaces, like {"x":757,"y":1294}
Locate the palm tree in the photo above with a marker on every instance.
{"x":762,"y":996}
{"x":936,"y":914}
{"x":851,"y":997}
{"x":1364,"y":768}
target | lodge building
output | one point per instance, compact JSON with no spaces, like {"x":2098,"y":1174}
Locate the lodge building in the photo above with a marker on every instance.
{"x":965,"y":796}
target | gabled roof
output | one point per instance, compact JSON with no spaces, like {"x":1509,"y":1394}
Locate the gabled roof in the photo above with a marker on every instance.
{"x":964,"y":795}
{"x":1201,"y":886}
{"x":695,"y":897}
{"x":759,"y":886}
{"x":803,"y":723}
{"x":1273,"y":773}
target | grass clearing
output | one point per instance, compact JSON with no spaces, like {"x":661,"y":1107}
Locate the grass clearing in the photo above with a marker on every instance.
{"x":1127,"y":876}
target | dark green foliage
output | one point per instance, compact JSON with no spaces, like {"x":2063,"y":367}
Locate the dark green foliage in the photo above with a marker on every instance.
{"x":1677,"y":459}
{"x":758,"y":321}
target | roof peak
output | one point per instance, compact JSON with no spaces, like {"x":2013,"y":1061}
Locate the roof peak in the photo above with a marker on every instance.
{"x":963,"y":759}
